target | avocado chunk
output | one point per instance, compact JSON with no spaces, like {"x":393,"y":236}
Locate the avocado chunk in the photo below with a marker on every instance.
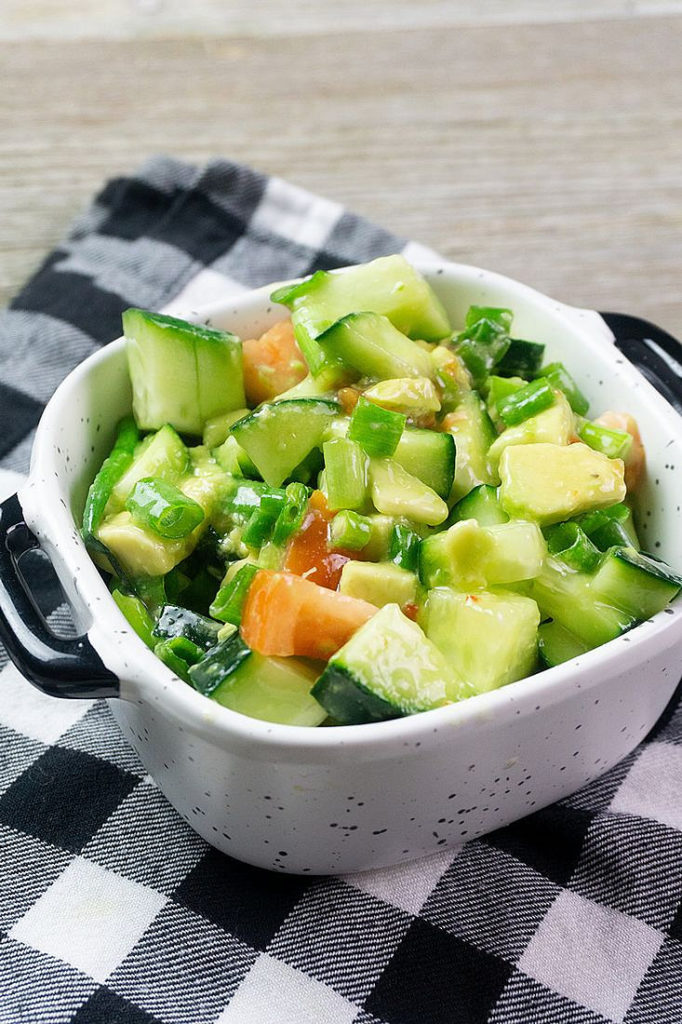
{"x":162,"y":455}
{"x":395,"y":492}
{"x":489,"y":639}
{"x":379,"y":583}
{"x":549,"y":482}
{"x":470,"y":557}
{"x":555,"y":425}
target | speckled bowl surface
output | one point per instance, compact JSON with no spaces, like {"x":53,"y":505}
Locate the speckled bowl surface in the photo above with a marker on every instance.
{"x":348,"y":799}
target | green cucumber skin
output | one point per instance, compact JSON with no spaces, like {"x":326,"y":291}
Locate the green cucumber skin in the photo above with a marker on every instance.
{"x":175,"y":620}
{"x":348,"y":701}
{"x":220,"y":662}
{"x":481,"y":504}
{"x":429,"y":455}
{"x":110,"y":472}
{"x":269,"y":439}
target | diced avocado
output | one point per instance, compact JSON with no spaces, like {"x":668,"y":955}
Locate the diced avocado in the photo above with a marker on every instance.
{"x":413,"y":396}
{"x":451,"y":376}
{"x":637,"y":583}
{"x":183,"y":374}
{"x":379,"y":583}
{"x":396,"y":492}
{"x":279,"y":435}
{"x":387,"y":669}
{"x":217,"y":428}
{"x":489,"y":639}
{"x":481,"y":504}
{"x":549,"y":482}
{"x":162,"y":455}
{"x":556,"y":644}
{"x":371,"y":345}
{"x":555,"y":425}
{"x":139,"y":551}
{"x":473,"y":432}
{"x":568,"y":598}
{"x":470,"y":557}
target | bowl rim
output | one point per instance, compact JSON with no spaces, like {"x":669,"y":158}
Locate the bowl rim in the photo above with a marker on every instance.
{"x":149,"y":679}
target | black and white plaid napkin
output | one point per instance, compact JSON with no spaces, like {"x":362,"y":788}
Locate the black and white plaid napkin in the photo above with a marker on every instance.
{"x":112,"y":911}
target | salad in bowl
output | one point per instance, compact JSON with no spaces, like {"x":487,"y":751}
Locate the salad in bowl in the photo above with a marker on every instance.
{"x":367,"y":511}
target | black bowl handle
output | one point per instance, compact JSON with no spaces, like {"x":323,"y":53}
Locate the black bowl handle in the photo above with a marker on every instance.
{"x":57,"y":666}
{"x":655,"y":353}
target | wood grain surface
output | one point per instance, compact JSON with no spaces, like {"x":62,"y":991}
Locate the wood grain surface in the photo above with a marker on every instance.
{"x":542,"y":141}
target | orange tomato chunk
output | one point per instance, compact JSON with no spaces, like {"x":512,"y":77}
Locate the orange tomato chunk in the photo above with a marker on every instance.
{"x":285,"y":615}
{"x":273,"y":363}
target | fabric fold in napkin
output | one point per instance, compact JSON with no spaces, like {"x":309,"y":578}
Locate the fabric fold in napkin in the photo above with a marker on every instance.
{"x":112,"y":911}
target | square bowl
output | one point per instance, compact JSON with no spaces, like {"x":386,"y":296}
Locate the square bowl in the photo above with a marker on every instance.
{"x":350,"y":798}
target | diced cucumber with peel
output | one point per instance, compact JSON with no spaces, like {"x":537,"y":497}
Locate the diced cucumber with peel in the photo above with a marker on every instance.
{"x":489,"y":639}
{"x":568,"y":598}
{"x":549,"y":483}
{"x":379,"y":583}
{"x":387,"y":669}
{"x":637,"y":583}
{"x":429,"y":455}
{"x":217,"y":428}
{"x":474,"y":433}
{"x":388,"y":285}
{"x":468,"y":556}
{"x":183,"y":374}
{"x":395,"y":492}
{"x":371,"y":345}
{"x":279,"y":435}
{"x":556,"y":644}
{"x":273,"y":690}
{"x":481,"y":504}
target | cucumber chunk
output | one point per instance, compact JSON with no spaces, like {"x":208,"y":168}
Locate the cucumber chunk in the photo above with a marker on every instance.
{"x":549,"y":483}
{"x":387,"y":669}
{"x":395,"y":492}
{"x":176,"y":621}
{"x":637,"y":583}
{"x":471,"y":557}
{"x":556,"y":644}
{"x":272,"y":689}
{"x":183,"y":374}
{"x":279,"y":435}
{"x":370,"y":344}
{"x":379,"y":583}
{"x":481,"y":504}
{"x":489,"y":639}
{"x":568,"y":598}
{"x":474,"y":433}
{"x":429,"y":455}
{"x":388,"y":285}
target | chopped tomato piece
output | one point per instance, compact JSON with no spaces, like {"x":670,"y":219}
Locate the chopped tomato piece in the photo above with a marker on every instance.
{"x":286,"y":615}
{"x":308,"y":553}
{"x":273,"y":363}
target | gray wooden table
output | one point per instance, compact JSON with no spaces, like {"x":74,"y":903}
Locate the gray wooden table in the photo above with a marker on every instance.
{"x":541,"y":140}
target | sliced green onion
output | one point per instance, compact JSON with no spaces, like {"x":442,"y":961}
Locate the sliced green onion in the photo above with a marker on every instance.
{"x":229,"y":601}
{"x":559,"y":377}
{"x":377,"y":430}
{"x":488,"y":321}
{"x":292,"y":512}
{"x":480,"y":356}
{"x":112,"y":469}
{"x":346,"y":467}
{"x":246,"y":496}
{"x":522,"y":359}
{"x":573,"y":546}
{"x":179,"y":654}
{"x":262,"y":522}
{"x":163,"y":508}
{"x":528,"y":401}
{"x":403,"y":547}
{"x":137,"y":615}
{"x":349,"y":530}
{"x":614,"y":443}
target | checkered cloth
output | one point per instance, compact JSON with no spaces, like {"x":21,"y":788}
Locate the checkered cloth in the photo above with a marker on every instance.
{"x":112,"y":911}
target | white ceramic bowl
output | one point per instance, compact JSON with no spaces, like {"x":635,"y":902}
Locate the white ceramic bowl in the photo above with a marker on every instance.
{"x":348,"y":799}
